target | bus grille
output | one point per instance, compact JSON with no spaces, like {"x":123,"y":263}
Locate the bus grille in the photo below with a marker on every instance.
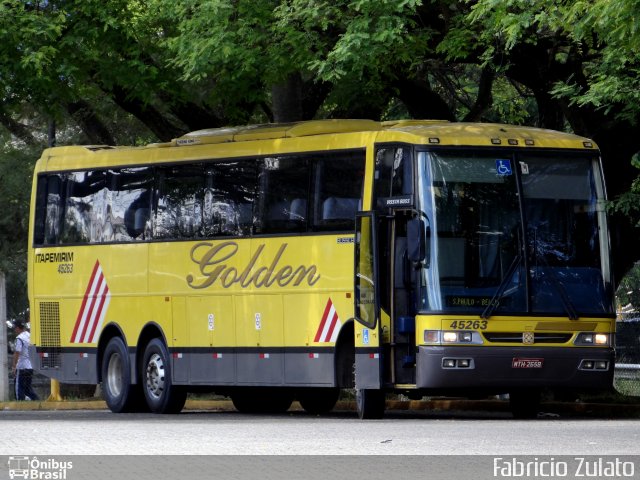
{"x":50,"y":334}
{"x":516,"y":337}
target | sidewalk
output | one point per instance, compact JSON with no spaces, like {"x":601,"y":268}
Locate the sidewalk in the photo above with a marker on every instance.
{"x":599,"y":410}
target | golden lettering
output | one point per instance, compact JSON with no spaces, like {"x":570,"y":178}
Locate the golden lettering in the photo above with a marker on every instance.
{"x":211,"y":258}
{"x":213,"y":265}
{"x":283,"y":275}
{"x":309,"y":273}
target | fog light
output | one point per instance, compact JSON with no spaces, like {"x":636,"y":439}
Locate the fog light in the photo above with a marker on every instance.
{"x":602,"y":365}
{"x":449,"y":363}
{"x":464,"y":363}
{"x":587,"y":364}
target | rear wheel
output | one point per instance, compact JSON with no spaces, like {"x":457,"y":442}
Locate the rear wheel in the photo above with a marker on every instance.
{"x":161,"y":395}
{"x":119,"y":393}
{"x":318,"y":401}
{"x":370,"y":403}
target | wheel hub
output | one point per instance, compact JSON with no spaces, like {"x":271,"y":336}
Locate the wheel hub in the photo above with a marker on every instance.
{"x":155,"y":376}
{"x":114,"y":375}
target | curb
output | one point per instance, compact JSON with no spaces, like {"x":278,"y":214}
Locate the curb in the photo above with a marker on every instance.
{"x":550,"y":409}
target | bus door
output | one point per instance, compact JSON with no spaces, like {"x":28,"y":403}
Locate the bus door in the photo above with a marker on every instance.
{"x":403,"y":236}
{"x":385,"y":289}
{"x":368,"y":358}
{"x":395,"y":206}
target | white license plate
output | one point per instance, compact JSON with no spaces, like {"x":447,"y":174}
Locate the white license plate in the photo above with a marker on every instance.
{"x":527,"y":363}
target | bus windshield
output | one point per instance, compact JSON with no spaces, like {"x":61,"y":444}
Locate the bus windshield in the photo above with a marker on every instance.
{"x":513,"y":233}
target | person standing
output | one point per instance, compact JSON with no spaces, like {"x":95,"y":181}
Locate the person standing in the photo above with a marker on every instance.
{"x":22,"y":367}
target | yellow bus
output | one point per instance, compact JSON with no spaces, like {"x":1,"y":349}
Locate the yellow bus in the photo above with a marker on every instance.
{"x":290,"y":261}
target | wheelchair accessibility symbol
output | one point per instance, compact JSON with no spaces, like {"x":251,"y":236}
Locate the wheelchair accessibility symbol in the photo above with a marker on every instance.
{"x":503,"y":167}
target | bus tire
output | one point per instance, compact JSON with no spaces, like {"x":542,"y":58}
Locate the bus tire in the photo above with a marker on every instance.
{"x":161,"y":395}
{"x":524,"y":404}
{"x":118,"y":391}
{"x":370,"y":403}
{"x":318,"y":401}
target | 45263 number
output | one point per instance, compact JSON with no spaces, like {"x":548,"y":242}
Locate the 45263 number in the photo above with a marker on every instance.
{"x":65,"y":268}
{"x":469,"y":324}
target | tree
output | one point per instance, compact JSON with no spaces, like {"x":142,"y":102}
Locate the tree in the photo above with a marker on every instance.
{"x":16,"y":166}
{"x":581,"y":61}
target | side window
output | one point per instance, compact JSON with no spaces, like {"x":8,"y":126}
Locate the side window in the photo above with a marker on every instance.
{"x":337,"y":190}
{"x":205,"y":200}
{"x":49,"y":208}
{"x":392,"y":174}
{"x":179,"y":203}
{"x":127,"y":211}
{"x":85,"y":204}
{"x":283,"y":190}
{"x":229,"y":198}
{"x":101,"y":207}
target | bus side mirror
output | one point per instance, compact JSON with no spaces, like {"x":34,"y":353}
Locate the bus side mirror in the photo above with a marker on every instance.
{"x":417,"y":241}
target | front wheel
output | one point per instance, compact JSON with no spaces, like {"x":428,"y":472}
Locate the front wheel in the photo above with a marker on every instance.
{"x":370,"y":403}
{"x":161,"y":395}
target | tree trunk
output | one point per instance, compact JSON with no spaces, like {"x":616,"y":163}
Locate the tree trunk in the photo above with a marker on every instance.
{"x":286,"y":100}
{"x":91,"y":125}
{"x":147,"y":114}
{"x":17,"y":129}
{"x":422,"y":102}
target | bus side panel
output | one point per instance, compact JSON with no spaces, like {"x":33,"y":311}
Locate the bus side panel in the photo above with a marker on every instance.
{"x":308,"y":362}
{"x":179,"y":360}
{"x":211,"y":333}
{"x":260,"y":338}
{"x":77,"y":291}
{"x":265,"y":310}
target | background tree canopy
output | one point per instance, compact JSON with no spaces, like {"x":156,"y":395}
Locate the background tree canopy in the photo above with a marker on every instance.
{"x":134,"y":71}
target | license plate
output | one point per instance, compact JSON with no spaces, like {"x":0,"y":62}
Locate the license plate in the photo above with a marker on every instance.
{"x":527,"y":363}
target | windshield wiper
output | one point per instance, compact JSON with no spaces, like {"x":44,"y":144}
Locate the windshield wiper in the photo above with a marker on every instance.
{"x":564,"y":297}
{"x":495,"y":300}
{"x":566,"y":301}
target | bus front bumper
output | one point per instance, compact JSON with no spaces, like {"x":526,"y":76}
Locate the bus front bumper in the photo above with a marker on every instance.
{"x":501,"y":368}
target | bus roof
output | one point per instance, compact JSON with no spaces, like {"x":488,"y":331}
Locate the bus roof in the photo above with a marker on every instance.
{"x":425,"y":132}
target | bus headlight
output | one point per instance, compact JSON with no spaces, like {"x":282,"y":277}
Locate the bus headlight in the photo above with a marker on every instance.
{"x":590,"y":338}
{"x":436,"y":337}
{"x":457,"y":337}
{"x":450,"y":337}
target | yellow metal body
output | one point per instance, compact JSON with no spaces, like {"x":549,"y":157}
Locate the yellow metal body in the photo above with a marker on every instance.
{"x":261,"y":291}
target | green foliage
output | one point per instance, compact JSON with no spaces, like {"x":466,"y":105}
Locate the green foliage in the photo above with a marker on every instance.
{"x":156,"y":68}
{"x":628,"y":203}
{"x":16,"y":166}
{"x":602,"y":34}
{"x":628,"y":293}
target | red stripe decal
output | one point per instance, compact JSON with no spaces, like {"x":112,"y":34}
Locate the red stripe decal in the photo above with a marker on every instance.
{"x":84,"y":302}
{"x":323,"y":321}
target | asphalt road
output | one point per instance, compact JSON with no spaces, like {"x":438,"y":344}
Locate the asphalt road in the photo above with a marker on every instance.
{"x":296,"y":433}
